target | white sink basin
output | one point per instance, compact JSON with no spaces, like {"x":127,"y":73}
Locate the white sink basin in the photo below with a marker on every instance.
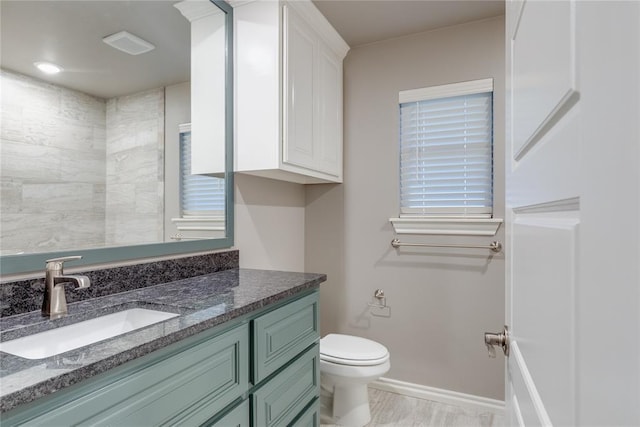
{"x":59,"y":340}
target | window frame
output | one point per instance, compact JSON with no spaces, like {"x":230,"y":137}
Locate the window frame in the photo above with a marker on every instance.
{"x":450,"y":223}
{"x":185,"y":213}
{"x":199,"y":225}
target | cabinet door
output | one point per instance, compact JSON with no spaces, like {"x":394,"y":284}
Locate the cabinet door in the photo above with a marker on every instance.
{"x":310,"y":417}
{"x":186,"y":388}
{"x":208,"y":93}
{"x":299,"y":51}
{"x":189,"y":387}
{"x":238,"y":417}
{"x":281,"y":400}
{"x":282,"y":334}
{"x":328,"y":125}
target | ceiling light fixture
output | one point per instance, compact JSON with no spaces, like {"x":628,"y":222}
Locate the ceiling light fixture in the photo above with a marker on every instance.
{"x":48,"y":67}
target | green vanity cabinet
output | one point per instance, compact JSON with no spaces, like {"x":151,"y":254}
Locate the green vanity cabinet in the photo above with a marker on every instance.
{"x":186,"y":386}
{"x":261,"y":369}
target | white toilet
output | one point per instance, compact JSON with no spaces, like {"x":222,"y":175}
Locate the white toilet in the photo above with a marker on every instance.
{"x":347,"y":365}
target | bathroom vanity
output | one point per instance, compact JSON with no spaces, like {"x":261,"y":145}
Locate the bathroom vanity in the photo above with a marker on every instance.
{"x":243,"y":351}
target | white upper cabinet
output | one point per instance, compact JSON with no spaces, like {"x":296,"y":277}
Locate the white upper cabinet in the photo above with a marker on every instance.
{"x":288,"y":92}
{"x":208,"y":96}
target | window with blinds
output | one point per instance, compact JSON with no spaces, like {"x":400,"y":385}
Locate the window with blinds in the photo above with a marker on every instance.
{"x":446,"y":150}
{"x":200,"y":195}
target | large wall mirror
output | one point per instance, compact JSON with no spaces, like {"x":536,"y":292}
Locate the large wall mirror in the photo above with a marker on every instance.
{"x":126,"y":153}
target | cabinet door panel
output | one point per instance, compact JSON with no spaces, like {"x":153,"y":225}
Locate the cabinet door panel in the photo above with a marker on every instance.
{"x":310,"y":417}
{"x":299,"y":52}
{"x":282,"y":398}
{"x":192,"y":392}
{"x":193,"y":384}
{"x":208,"y":61}
{"x":239,"y":417}
{"x":284,"y":333}
{"x":329,"y":124}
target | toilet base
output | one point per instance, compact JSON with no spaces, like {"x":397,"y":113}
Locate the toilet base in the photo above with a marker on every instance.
{"x":326,"y":405}
{"x":347,"y":365}
{"x":345,"y":406}
{"x":351,"y":405}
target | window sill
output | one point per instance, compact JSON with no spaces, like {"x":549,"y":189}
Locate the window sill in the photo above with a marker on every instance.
{"x":199,"y":227}
{"x":447,"y":226}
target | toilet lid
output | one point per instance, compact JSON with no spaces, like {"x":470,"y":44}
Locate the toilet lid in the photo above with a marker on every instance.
{"x":348,"y":349}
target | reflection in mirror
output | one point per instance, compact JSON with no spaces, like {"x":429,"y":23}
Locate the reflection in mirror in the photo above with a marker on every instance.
{"x":201,"y":198}
{"x":92,"y":155}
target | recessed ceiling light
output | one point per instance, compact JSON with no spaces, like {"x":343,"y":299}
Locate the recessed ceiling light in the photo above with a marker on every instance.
{"x":48,"y":67}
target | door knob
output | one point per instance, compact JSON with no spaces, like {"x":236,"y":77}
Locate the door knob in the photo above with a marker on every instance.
{"x":494,"y":339}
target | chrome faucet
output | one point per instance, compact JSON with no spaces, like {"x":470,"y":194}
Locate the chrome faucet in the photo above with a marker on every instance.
{"x":55,"y":301}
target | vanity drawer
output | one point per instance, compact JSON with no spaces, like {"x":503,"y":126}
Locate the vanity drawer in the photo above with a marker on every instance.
{"x":238,"y":417}
{"x":310,"y":417}
{"x":282,"y":334}
{"x":186,"y":388}
{"x":279,"y":401}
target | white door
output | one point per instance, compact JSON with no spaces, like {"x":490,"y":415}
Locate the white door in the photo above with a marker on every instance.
{"x":573,"y":212}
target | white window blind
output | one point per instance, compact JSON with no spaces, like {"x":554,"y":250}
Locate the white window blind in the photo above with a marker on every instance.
{"x":200,"y":195}
{"x":446,"y":150}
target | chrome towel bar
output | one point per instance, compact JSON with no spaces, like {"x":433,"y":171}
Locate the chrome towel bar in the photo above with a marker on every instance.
{"x":494,"y":246}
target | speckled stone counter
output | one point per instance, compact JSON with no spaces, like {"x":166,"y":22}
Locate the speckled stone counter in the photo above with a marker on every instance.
{"x":202,"y":302}
{"x":26,"y":295}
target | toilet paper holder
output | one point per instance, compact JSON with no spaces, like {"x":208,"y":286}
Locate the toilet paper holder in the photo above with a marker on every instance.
{"x":382,"y":300}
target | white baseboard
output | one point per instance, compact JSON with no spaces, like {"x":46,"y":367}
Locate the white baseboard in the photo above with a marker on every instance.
{"x":439,"y":395}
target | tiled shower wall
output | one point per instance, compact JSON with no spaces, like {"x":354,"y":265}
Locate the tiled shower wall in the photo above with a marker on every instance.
{"x":52,"y":172}
{"x":135,"y":168}
{"x":68,"y":174}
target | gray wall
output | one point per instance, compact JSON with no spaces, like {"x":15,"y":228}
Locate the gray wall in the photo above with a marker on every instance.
{"x":269,"y":223}
{"x":442,"y":301}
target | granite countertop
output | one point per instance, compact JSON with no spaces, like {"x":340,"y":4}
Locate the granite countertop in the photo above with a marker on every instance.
{"x":201,"y":302}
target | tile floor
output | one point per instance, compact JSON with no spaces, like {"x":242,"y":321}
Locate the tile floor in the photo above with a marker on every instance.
{"x":394,"y":410}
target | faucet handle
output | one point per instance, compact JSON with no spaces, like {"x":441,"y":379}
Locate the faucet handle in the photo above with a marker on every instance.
{"x":56,"y":263}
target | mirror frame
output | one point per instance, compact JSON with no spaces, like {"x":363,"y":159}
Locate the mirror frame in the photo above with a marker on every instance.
{"x":30,"y":263}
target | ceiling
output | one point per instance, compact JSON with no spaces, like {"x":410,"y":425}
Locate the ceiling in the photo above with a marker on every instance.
{"x":69,"y":33}
{"x":361,"y":22}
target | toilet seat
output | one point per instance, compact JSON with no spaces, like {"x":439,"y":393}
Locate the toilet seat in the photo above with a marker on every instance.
{"x":352,"y":351}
